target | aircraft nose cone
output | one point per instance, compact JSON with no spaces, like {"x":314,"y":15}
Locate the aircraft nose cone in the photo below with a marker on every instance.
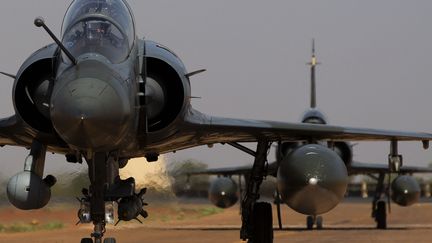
{"x":89,"y":113}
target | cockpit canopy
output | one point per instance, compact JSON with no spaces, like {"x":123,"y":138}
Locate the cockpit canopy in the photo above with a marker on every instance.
{"x":314,"y":116}
{"x":102,"y":27}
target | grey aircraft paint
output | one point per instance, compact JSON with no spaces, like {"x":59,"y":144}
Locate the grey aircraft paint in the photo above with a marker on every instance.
{"x":103,"y":95}
{"x":224,"y":192}
{"x":405,"y":190}
{"x":312,"y":180}
{"x":328,"y":175}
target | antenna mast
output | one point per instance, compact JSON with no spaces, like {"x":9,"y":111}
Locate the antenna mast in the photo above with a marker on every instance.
{"x":312,"y":65}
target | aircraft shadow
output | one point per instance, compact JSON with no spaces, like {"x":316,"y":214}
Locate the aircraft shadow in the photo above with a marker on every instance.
{"x":296,"y":228}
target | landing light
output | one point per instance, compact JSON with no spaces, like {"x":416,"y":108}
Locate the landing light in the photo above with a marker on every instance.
{"x":84,"y":212}
{"x":313,"y":181}
{"x":109,"y":212}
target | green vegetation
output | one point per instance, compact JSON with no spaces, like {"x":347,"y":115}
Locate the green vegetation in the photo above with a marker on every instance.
{"x":197,"y":212}
{"x":210,"y":211}
{"x":30,"y":227}
{"x":184,"y":213}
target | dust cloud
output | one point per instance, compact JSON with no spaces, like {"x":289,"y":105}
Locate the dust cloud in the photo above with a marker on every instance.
{"x":154,"y":176}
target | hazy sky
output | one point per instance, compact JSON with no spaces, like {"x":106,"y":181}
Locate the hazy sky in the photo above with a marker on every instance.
{"x":375,"y":71}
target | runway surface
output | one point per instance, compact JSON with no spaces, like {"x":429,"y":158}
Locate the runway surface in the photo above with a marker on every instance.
{"x":198,"y":222}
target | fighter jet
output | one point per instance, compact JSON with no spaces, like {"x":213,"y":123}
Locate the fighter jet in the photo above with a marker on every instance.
{"x":404,"y":190}
{"x":102,"y":95}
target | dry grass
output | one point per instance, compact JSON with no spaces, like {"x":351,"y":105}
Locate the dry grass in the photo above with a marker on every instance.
{"x":30,"y":227}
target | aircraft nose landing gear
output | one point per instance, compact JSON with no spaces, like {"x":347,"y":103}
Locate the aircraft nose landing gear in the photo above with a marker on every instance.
{"x":312,"y":220}
{"x":106,"y":188}
{"x":85,"y":217}
{"x":106,"y":240}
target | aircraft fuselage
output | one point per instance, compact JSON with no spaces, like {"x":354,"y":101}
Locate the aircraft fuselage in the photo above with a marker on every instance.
{"x":128,"y":103}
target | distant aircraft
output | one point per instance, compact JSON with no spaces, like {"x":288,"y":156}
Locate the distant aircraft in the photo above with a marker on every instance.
{"x":224,"y":191}
{"x":103,"y":95}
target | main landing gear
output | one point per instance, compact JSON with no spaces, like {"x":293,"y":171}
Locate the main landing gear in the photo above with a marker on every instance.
{"x":257,"y":220}
{"x":379,"y":211}
{"x":105,"y":189}
{"x":379,"y":205}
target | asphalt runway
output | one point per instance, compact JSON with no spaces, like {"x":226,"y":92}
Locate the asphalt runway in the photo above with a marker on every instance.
{"x":349,"y":222}
{"x":132,"y":235}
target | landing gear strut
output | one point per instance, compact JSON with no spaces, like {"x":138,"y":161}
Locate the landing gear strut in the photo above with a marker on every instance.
{"x":97,"y":189}
{"x":107,"y":187}
{"x":379,"y":212}
{"x":257,"y":221}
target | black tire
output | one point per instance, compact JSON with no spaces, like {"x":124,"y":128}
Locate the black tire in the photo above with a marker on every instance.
{"x":262,"y":223}
{"x":86,"y":240}
{"x":109,"y":240}
{"x":381,"y":215}
{"x":319,"y":222}
{"x":310,"y":222}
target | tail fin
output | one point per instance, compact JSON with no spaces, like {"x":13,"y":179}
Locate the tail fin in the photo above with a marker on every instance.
{"x":313,"y":63}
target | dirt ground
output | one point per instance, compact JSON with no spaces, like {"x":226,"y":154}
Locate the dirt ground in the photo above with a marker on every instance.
{"x":200,"y":222}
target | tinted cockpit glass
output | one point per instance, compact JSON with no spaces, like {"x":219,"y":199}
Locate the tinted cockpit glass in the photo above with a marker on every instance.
{"x":99,"y":26}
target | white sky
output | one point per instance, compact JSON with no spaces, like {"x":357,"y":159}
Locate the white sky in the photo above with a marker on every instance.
{"x":375,"y":57}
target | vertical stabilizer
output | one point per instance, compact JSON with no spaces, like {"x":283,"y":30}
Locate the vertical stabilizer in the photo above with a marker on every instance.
{"x":313,"y":63}
{"x":313,"y":115}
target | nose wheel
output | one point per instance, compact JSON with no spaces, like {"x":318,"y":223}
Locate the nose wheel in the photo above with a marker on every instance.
{"x":314,"y":220}
{"x":109,"y":240}
{"x":90,"y":240}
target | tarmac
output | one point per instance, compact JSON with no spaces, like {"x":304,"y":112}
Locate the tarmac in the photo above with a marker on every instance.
{"x":198,"y":222}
